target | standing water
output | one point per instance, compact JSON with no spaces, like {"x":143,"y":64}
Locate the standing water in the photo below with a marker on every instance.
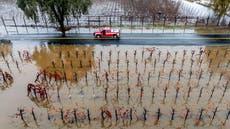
{"x":45,"y":85}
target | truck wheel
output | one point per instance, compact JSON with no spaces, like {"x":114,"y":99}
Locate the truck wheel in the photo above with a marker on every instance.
{"x":98,"y":36}
{"x":116,"y":37}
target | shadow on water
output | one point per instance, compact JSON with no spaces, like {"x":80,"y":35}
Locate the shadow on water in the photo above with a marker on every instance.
{"x":214,"y":39}
{"x":84,"y":41}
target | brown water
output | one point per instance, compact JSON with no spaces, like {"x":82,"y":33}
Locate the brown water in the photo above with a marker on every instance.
{"x":83,"y":94}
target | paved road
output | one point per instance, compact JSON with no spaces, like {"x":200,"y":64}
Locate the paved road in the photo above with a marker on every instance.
{"x":134,"y":39}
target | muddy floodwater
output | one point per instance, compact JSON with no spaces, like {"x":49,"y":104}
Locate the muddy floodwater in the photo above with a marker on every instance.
{"x":45,"y":85}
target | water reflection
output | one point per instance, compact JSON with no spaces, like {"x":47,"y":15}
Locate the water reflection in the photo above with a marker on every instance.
{"x":218,"y":59}
{"x":64,"y":58}
{"x":6,"y":78}
{"x":5,"y":49}
{"x":58,"y":65}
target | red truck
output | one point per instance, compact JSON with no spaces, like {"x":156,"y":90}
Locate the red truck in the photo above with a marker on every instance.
{"x":107,"y":32}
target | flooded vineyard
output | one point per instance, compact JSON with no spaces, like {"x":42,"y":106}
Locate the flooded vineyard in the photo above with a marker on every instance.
{"x":44,"y":85}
